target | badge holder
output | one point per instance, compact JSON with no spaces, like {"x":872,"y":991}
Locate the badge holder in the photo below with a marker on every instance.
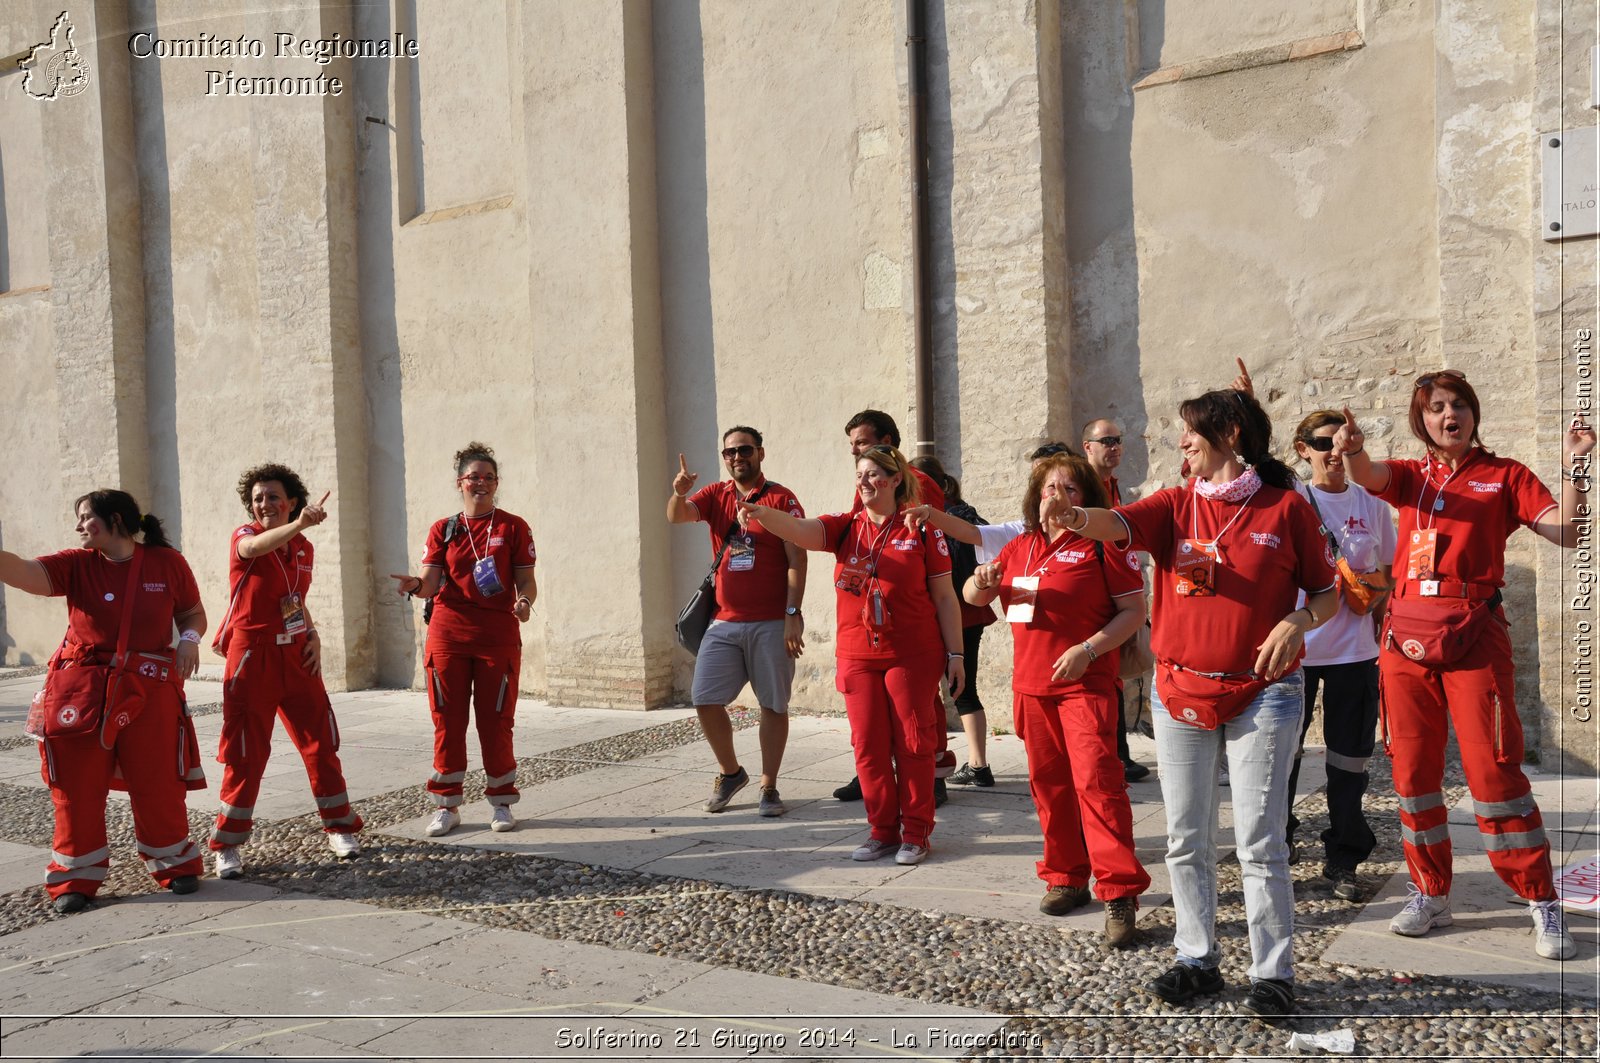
{"x":487,"y":577}
{"x":1195,"y":571}
{"x":1024,"y":596}
{"x":293,"y":611}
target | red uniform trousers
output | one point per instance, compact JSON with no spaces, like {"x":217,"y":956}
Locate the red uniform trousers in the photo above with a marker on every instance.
{"x":266,"y":681}
{"x":151,"y":756}
{"x":1478,"y":694}
{"x":895,"y":732}
{"x":463,"y":683}
{"x":1080,"y":790}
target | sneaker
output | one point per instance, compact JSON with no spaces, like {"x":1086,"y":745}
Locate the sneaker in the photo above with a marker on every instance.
{"x":1183,"y":983}
{"x":501,"y":819}
{"x":1122,"y":916}
{"x":1270,"y":999}
{"x":443,"y":822}
{"x":230,"y":862}
{"x":912,"y":854}
{"x":71,"y":903}
{"x":723,"y":787}
{"x":1342,"y":883}
{"x":874,"y":849}
{"x":850,"y":791}
{"x":1421,"y":914}
{"x":967,"y":775}
{"x":944,"y":765}
{"x":771,"y":805}
{"x":1551,"y":939}
{"x":184,"y":884}
{"x":1133,"y":771}
{"x":941,"y":793}
{"x":1059,"y":900}
{"x":344,"y":845}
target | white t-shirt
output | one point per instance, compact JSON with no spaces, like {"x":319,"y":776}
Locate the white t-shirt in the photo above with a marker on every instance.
{"x":995,"y":537}
{"x":1364,"y":528}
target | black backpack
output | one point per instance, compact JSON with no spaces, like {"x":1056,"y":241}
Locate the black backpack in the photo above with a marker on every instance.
{"x":963,"y":556}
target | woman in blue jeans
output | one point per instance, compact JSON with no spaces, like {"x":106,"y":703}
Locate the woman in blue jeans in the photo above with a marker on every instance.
{"x":1233,"y":548}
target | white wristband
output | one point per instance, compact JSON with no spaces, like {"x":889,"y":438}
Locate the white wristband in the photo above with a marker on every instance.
{"x":190,"y":636}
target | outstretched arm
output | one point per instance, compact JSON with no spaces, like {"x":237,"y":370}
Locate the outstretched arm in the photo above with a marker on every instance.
{"x":1562,"y":525}
{"x":956,"y":528}
{"x":23,"y":573}
{"x":805,"y":532}
{"x":1350,"y":445}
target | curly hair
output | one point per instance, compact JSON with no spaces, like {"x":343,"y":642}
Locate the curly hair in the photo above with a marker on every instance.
{"x":472,"y":452}
{"x":292,"y":485}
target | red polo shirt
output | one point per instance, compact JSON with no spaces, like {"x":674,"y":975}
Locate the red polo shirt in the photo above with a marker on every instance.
{"x":94,"y":586}
{"x":463,"y":618}
{"x":264,"y":581}
{"x":902,"y":562}
{"x":753,"y":577}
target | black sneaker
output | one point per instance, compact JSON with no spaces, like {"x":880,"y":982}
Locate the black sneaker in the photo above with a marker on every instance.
{"x":184,"y":884}
{"x":1059,"y":900}
{"x":1133,"y":771}
{"x":850,"y":791}
{"x":1270,"y":999}
{"x":967,"y":775}
{"x":1342,"y":883}
{"x":941,"y":793}
{"x":71,"y":903}
{"x":723,"y":787}
{"x":1183,"y":983}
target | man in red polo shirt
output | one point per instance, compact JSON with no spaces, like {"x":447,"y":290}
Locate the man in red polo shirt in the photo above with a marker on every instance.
{"x":758,"y":630}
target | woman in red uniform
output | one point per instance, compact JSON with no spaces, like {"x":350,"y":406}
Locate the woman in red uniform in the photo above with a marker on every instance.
{"x":1071,"y":603}
{"x":478,"y":568}
{"x":1457,"y":507}
{"x":154,"y":757}
{"x":274,"y":667}
{"x":899,"y":626}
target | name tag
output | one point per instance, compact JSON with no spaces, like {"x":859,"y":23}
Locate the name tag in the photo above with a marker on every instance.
{"x":1024,"y":595}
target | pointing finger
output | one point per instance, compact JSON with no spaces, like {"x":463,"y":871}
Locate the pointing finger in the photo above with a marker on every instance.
{"x":683,"y":465}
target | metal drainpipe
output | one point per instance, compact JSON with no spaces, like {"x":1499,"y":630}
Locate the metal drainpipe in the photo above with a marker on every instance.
{"x":921,"y":240}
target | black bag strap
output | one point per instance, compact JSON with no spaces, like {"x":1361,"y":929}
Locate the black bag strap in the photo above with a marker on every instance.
{"x":727,"y":536}
{"x":1333,"y":541}
{"x":450,"y":527}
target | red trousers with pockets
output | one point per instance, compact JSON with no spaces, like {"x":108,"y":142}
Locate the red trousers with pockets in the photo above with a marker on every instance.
{"x":1080,"y":790}
{"x":895,"y":731}
{"x":150,"y":759}
{"x":1478,"y":696}
{"x":265,"y":681}
{"x":462,"y":684}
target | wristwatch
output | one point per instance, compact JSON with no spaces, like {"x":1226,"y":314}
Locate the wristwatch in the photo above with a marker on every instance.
{"x":791,"y":610}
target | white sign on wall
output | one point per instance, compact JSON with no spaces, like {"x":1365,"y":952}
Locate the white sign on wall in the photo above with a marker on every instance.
{"x":1571,"y":183}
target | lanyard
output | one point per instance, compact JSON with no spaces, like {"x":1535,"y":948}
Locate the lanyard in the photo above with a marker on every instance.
{"x":875,"y":551}
{"x":1048,"y":554}
{"x":488,"y":532}
{"x":294,"y":585}
{"x":1216,"y":543}
{"x":1438,"y":498}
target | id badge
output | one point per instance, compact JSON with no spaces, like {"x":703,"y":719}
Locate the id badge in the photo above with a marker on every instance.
{"x":1422,"y":552}
{"x":1024,"y":595}
{"x":851,"y":578}
{"x":293,"y":612}
{"x":487,"y":577}
{"x":741,"y":555}
{"x":1196,"y":569}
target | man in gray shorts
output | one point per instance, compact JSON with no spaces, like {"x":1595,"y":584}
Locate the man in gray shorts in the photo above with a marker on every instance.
{"x":758,"y":630}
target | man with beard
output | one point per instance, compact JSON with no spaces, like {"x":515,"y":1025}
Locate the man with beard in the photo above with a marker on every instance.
{"x":758,"y":630}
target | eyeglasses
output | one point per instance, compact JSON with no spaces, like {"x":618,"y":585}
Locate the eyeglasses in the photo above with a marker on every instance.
{"x":1320,"y":444}
{"x":1107,"y":441}
{"x":744,"y":450}
{"x":476,"y":479}
{"x":1426,"y":380}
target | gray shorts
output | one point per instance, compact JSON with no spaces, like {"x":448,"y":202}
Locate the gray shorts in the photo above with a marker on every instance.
{"x":734,"y":653}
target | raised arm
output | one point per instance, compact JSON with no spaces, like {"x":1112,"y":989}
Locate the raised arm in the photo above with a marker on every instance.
{"x":1350,"y":445}
{"x":805,"y":532}
{"x":679,"y":509}
{"x":263,"y":543}
{"x":1562,"y":525}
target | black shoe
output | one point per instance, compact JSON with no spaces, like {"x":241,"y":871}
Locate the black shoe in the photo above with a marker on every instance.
{"x":850,"y":791}
{"x":71,"y":903}
{"x":1342,"y":883}
{"x":941,"y":794}
{"x":1270,"y":999}
{"x":184,"y":884}
{"x":1133,"y":771}
{"x":1059,"y":900}
{"x":1183,"y":983}
{"x":1294,"y":852}
{"x":967,"y":775}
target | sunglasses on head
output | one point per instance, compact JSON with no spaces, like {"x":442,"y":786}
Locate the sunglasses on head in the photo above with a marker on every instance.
{"x":1320,"y":444}
{"x":744,"y":450}
{"x":1426,"y":380}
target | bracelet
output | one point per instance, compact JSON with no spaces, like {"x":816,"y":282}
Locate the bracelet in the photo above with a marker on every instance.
{"x":955,"y":656}
{"x":190,"y":636}
{"x":1093,"y":656}
{"x":312,"y":634}
{"x":1082,"y":523}
{"x":1362,"y":449}
{"x":1575,"y":476}
{"x":1310,"y":613}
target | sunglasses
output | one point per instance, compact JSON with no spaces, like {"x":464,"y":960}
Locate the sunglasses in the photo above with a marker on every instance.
{"x":744,"y":450}
{"x":1107,"y":441}
{"x":1320,"y":444}
{"x":1426,"y":380}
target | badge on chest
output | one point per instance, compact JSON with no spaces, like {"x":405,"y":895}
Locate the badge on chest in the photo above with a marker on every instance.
{"x":1195,"y":570}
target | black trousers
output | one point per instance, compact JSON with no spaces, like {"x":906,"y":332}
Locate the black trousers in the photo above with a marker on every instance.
{"x":1349,"y":723}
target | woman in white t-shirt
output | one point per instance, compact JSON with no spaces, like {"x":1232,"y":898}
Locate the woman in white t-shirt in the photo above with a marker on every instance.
{"x":1342,"y":655}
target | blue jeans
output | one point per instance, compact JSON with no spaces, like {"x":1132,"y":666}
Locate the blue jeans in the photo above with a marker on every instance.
{"x":1260,"y":744}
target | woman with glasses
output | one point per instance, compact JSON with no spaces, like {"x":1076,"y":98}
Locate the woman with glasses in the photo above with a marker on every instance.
{"x":1233,"y":549}
{"x":478,"y":569}
{"x":1071,"y":603}
{"x":154,"y":755}
{"x":1342,"y":655}
{"x":1446,"y":646}
{"x":899,"y":633}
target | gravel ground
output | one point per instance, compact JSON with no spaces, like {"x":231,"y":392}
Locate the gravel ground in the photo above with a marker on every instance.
{"x":1067,"y":995}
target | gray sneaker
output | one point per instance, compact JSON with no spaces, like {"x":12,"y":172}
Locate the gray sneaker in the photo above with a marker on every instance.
{"x":1421,"y":914}
{"x":771,"y":804}
{"x":723,"y":787}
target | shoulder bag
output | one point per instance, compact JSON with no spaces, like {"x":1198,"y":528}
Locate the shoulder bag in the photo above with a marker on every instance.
{"x":696,"y":616}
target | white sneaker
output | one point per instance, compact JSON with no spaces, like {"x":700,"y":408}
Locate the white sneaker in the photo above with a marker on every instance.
{"x":1421,"y":914}
{"x":912,"y":854}
{"x":230,"y":862}
{"x":1550,"y":937}
{"x":344,"y":846}
{"x":443,"y":822}
{"x":502,"y":820}
{"x":873,"y":849}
